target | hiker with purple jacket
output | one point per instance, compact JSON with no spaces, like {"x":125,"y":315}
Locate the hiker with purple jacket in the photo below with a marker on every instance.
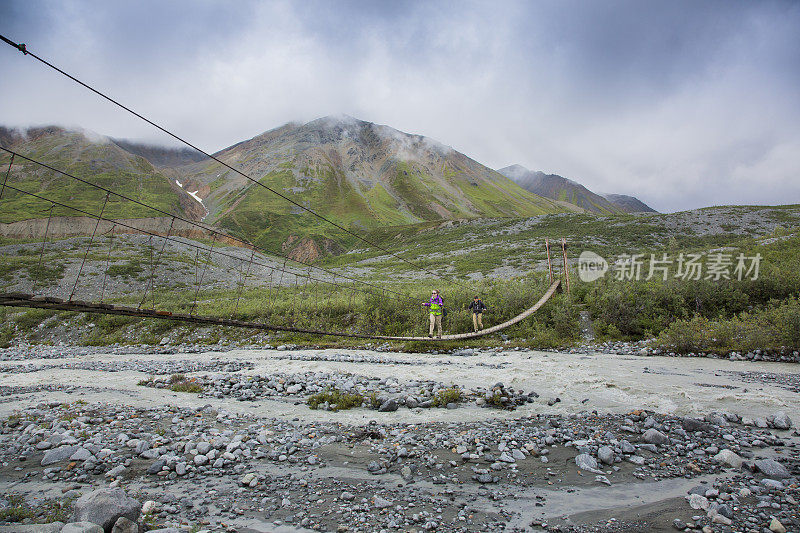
{"x":436,"y":305}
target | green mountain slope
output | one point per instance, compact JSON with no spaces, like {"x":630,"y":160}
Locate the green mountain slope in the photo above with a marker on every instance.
{"x":360,"y":174}
{"x":87,"y":156}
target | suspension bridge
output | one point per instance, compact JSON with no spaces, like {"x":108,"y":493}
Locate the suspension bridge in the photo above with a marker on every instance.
{"x":245,"y":260}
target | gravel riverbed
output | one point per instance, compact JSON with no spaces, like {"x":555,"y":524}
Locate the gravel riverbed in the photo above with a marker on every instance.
{"x":480,"y":440}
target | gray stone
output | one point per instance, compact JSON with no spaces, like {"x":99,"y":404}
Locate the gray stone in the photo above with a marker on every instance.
{"x":116,"y":471}
{"x":203,"y":447}
{"x":105,"y":506}
{"x":200,"y":460}
{"x":124,"y":525}
{"x":156,"y":467}
{"x":82,"y":455}
{"x":606,"y":455}
{"x":729,"y":458}
{"x":81,"y":527}
{"x":588,"y":463}
{"x":654,"y":436}
{"x":347,"y":496}
{"x":693,"y":424}
{"x":771,"y":468}
{"x":56,"y":455}
{"x":389,"y":406}
{"x":627,"y":447}
{"x":782,"y":420}
{"x":381,"y":503}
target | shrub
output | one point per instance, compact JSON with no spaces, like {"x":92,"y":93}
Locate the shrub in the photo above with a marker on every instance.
{"x":338,"y":400}
{"x":446,"y":396}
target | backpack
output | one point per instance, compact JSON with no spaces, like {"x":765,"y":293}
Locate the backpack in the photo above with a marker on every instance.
{"x":444,"y":309}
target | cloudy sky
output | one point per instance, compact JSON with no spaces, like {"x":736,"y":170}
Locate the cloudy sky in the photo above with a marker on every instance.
{"x":683,"y":104}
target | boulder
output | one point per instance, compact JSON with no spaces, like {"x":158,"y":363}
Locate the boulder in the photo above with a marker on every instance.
{"x":654,"y":436}
{"x":56,"y":455}
{"x":729,"y":458}
{"x":693,"y":424}
{"x":105,"y":506}
{"x":588,"y":463}
{"x":606,"y":455}
{"x":782,"y":420}
{"x":123,"y":525}
{"x":771,"y":468}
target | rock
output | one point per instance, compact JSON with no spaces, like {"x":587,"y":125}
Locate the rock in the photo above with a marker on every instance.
{"x":156,"y":467}
{"x":587,"y":462}
{"x":203,"y":447}
{"x":389,"y":406}
{"x":606,"y":455}
{"x":347,"y":496}
{"x":729,"y":458}
{"x":776,"y":527}
{"x":679,"y":524}
{"x":200,"y":460}
{"x":771,"y":468}
{"x":638,"y":460}
{"x":116,"y":471}
{"x":180,"y":468}
{"x":56,"y":455}
{"x":381,"y":503}
{"x":693,"y":424}
{"x":781,"y":420}
{"x":627,"y":447}
{"x":507,"y":458}
{"x":82,"y":455}
{"x":719,"y":519}
{"x":148,"y":507}
{"x":654,"y":436}
{"x":123,"y":525}
{"x":602,"y":479}
{"x":698,"y":502}
{"x":517,"y":454}
{"x":81,"y":527}
{"x":105,"y":506}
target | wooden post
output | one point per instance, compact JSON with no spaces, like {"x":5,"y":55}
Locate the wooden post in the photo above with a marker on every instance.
{"x":566,"y":264}
{"x":549,"y":263}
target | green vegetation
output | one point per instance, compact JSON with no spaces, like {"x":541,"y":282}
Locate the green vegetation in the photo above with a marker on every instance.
{"x":180,"y":383}
{"x":337,"y":400}
{"x":447,"y":396}
{"x":46,"y":511}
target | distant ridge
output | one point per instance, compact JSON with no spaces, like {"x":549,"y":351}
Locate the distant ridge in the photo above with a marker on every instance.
{"x":629,"y":204}
{"x":559,"y":188}
{"x":563,"y":189}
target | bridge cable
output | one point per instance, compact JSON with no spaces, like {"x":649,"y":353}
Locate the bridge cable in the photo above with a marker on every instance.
{"x":24,"y":50}
{"x":89,"y":247}
{"x":203,"y":227}
{"x":146,"y":232}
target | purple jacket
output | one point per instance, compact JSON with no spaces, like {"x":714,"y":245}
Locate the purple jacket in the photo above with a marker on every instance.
{"x":435,"y":300}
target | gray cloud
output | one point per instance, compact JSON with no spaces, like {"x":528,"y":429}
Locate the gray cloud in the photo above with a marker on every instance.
{"x":683,"y":104}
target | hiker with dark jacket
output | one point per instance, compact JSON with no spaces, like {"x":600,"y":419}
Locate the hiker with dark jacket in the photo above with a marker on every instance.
{"x":437,"y":306}
{"x":478,"y":307}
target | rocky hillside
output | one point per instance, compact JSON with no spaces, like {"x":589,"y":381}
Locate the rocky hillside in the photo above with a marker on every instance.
{"x":629,"y":204}
{"x":559,"y":188}
{"x":362,"y":175}
{"x":94,"y":158}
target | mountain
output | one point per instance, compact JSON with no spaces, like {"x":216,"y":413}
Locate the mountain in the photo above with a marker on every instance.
{"x":559,"y":188}
{"x":629,"y":204}
{"x":159,"y":155}
{"x":360,"y":174}
{"x":94,"y":158}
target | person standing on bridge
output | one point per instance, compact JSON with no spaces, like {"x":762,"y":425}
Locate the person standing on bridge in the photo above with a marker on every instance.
{"x":436,"y":304}
{"x":478,"y":307}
